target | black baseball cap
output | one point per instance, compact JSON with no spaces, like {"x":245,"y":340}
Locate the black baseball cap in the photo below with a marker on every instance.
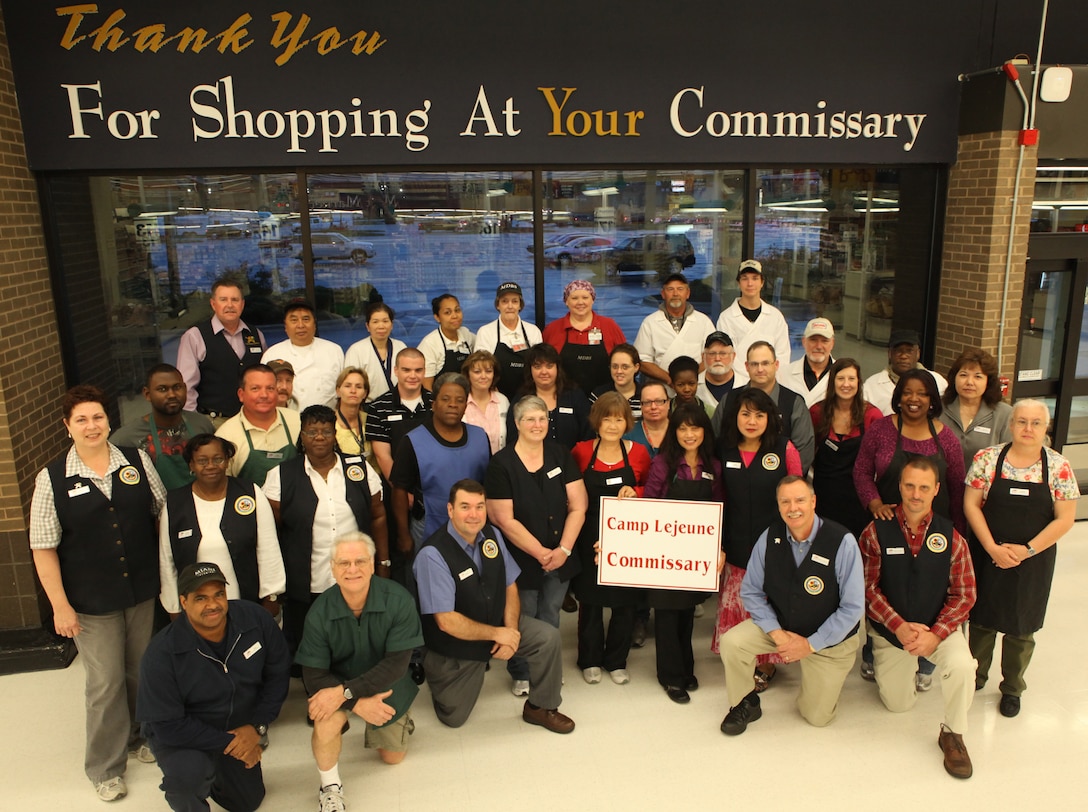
{"x":717,"y":337}
{"x":196,"y":575}
{"x":904,"y":337}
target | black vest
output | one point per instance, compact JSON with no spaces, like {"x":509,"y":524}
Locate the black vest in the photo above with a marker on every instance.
{"x":915,"y":586}
{"x":298,"y":504}
{"x":803,"y":596}
{"x":239,"y":526}
{"x":109,"y":550}
{"x":480,"y":597}
{"x":221,"y":370}
{"x":750,"y":505}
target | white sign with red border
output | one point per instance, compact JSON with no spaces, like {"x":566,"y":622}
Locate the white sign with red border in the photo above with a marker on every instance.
{"x":660,"y":543}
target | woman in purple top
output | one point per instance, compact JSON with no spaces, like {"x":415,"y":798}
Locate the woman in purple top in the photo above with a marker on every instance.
{"x":911,"y":429}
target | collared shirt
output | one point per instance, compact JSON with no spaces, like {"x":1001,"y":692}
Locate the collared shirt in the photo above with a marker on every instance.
{"x":801,"y":379}
{"x":878,"y":388}
{"x":961,"y":578}
{"x":660,"y":343}
{"x":191,"y":351}
{"x":437,"y":585}
{"x":271,"y":439}
{"x":434,"y":346}
{"x":333,"y":516}
{"x":492,"y":419}
{"x":848,"y":574}
{"x":769,"y":326}
{"x":494,"y":333}
{"x":45,"y":529}
{"x":389,"y":410}
{"x":316,"y":366}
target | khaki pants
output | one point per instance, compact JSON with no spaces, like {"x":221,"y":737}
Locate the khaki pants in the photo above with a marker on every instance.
{"x":822,"y":673}
{"x":955,"y":667}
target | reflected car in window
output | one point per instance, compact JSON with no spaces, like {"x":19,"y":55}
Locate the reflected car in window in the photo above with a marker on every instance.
{"x":329,"y":246}
{"x":580,"y":249}
{"x":647,"y":257}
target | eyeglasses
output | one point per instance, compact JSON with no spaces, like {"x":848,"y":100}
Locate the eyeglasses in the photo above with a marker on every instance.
{"x":324,"y":434}
{"x":204,"y":462}
{"x":1021,"y":423}
{"x":656,"y":402}
{"x":358,"y":563}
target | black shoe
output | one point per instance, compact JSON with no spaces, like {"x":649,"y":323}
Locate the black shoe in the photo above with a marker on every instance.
{"x":739,"y":716}
{"x":416,"y":670}
{"x":1010,"y":705}
{"x":677,"y":695}
{"x":693,"y":684}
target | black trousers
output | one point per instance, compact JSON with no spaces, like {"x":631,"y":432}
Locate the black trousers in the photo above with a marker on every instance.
{"x":675,"y":659}
{"x":189,"y":777}
{"x":595,"y":648}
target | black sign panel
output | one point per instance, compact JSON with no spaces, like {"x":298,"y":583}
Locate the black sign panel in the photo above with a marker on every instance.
{"x":137,"y":84}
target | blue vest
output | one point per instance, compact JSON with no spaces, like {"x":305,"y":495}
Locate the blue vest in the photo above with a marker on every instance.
{"x":441,"y":465}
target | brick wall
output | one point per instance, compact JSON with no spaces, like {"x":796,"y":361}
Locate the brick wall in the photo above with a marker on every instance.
{"x":976,"y":233}
{"x":31,"y":375}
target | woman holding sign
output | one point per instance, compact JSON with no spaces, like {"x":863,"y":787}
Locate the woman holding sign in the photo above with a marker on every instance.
{"x":611,"y":466}
{"x":686,"y":468}
{"x":755,"y":456}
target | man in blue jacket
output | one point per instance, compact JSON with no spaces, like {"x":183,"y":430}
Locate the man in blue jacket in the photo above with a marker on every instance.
{"x":210,"y":684}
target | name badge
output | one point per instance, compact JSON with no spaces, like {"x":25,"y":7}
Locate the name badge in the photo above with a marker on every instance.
{"x":256,"y":349}
{"x":1019,"y":492}
{"x":393,"y":418}
{"x":596,"y":336}
{"x":819,"y":559}
{"x":249,"y":652}
{"x":519,"y":347}
{"x":982,"y":429}
{"x":556,"y":471}
{"x":614,"y":480}
{"x":566,"y":410}
{"x":350,"y":460}
{"x":463,"y":574}
{"x":274,"y":455}
{"x":896,"y":551}
{"x":79,"y":490}
{"x":708,"y":475}
{"x":184,"y":534}
{"x":733,"y":464}
{"x":831,"y":445}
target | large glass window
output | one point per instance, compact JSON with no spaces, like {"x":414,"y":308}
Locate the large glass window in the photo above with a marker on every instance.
{"x":636,"y":227}
{"x":828,"y":241}
{"x":1061,"y":199}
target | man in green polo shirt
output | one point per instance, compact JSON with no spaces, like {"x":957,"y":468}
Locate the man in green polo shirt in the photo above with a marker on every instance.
{"x":354,"y":654}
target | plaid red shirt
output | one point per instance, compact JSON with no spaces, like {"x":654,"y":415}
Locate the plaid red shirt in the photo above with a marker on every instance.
{"x":961,"y":578}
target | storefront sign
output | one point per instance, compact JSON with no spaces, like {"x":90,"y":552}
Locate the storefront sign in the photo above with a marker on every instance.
{"x":144,"y":84}
{"x":661,"y":543}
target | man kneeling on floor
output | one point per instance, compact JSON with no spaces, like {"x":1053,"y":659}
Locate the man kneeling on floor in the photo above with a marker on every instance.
{"x":805,"y":591}
{"x":354,"y":653}
{"x":919,"y":589}
{"x":210,"y":684}
{"x":468,"y":596}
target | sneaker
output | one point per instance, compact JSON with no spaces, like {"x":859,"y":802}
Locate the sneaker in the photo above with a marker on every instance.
{"x":521,"y":687}
{"x":620,"y":676}
{"x":868,"y":673}
{"x":331,"y":799}
{"x":741,"y":715}
{"x":142,"y":754}
{"x":923,"y":682}
{"x":591,"y":675}
{"x":111,"y":789}
{"x":956,"y":761}
{"x":551,"y":719}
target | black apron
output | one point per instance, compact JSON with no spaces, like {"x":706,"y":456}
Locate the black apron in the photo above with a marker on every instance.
{"x":511,"y":364}
{"x":598,"y":484}
{"x":587,"y":365}
{"x":259,"y":463}
{"x":692,"y":490}
{"x":1013,"y":601}
{"x":172,"y":468}
{"x":454,"y":358}
{"x":833,"y":482}
{"x":888,"y":483}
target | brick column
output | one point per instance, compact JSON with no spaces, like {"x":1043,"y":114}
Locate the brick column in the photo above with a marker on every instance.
{"x":31,"y":376}
{"x":976,"y":236}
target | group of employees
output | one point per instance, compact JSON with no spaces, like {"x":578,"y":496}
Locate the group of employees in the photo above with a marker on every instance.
{"x":372,"y":520}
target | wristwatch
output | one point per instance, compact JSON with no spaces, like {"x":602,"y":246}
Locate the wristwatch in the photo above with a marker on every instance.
{"x":385,"y":563}
{"x":347,"y":693}
{"x":1031,"y":550}
{"x":262,"y":730}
